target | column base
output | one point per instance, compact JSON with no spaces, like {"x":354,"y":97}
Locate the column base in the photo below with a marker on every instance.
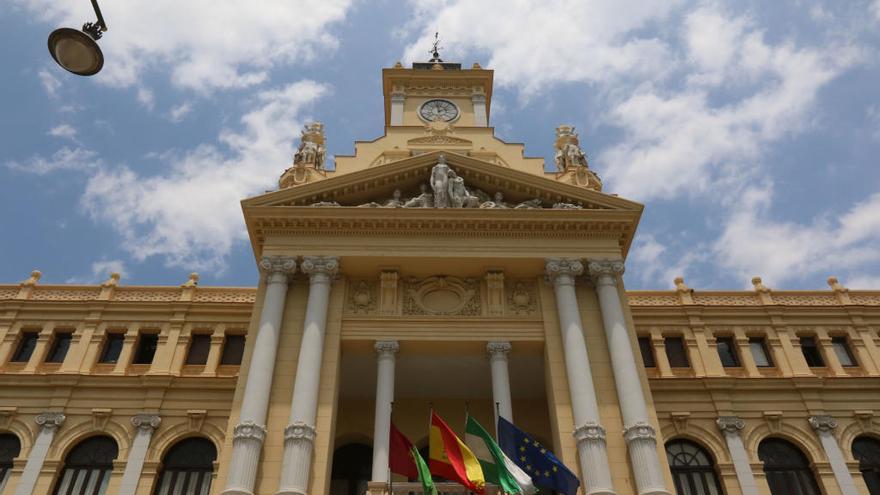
{"x":601,"y":491}
{"x":290,"y":492}
{"x":236,"y":491}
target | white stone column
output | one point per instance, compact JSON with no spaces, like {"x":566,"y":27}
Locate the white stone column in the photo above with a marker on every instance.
{"x":299,"y":436}
{"x":398,"y":97}
{"x":49,"y":423}
{"x":731,"y":426}
{"x":249,"y":433}
{"x":825,"y":426}
{"x":145,"y":425}
{"x":480,"y":118}
{"x":640,"y":436}
{"x":589,"y":433}
{"x":384,"y":397}
{"x":500,"y":379}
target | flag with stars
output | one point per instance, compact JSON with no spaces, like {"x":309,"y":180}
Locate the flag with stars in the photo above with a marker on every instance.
{"x":536,"y":460}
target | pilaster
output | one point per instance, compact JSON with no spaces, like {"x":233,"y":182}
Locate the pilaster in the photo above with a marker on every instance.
{"x":145,"y":425}
{"x":731,"y":427}
{"x":49,"y":422}
{"x":824,"y":427}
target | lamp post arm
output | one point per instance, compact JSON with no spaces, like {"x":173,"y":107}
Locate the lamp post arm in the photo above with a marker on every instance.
{"x":100,"y":23}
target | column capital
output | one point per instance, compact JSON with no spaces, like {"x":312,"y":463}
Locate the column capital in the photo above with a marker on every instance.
{"x":498,"y":349}
{"x":562,"y":270}
{"x":298,"y":430}
{"x":823,"y":423}
{"x":605,"y":271}
{"x":639,"y":431}
{"x":146,"y":422}
{"x":730,"y":424}
{"x":50,"y":420}
{"x":284,"y":265}
{"x":386,"y":347}
{"x":320,"y":267}
{"x":590,"y":430}
{"x":249,"y":430}
{"x":478,"y":98}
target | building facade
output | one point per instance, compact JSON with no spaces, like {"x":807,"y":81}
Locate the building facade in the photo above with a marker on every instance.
{"x":438,"y":268}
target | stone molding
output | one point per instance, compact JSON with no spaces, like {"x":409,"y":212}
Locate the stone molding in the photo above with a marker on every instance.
{"x":249,"y":430}
{"x":50,"y":420}
{"x":590,"y":430}
{"x":822,"y":423}
{"x":730,"y":424}
{"x":146,"y":422}
{"x":562,"y":270}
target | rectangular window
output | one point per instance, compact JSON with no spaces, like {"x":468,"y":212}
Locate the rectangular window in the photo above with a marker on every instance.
{"x":676,"y":352}
{"x":841,"y":349}
{"x":26,"y":346}
{"x":759,"y":352}
{"x":727,"y":352}
{"x":146,"y":348}
{"x":811,"y":352}
{"x":233,"y":350}
{"x":647,"y":352}
{"x":60,"y":346}
{"x":199,"y":346}
{"x":112,"y":348}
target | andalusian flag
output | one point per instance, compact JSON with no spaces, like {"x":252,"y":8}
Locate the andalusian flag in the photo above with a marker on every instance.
{"x":497,"y":467}
{"x":450,"y":458}
{"x":404,"y":459}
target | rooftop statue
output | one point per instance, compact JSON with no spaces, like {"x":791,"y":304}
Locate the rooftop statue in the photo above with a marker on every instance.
{"x":309,"y":158}
{"x":571,"y":160}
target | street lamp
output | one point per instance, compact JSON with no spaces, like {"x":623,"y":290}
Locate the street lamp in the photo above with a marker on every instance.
{"x":75,"y":50}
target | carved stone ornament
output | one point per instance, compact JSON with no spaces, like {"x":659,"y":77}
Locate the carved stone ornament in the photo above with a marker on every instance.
{"x":146,"y":422}
{"x":567,"y":206}
{"x":249,"y":430}
{"x":50,"y":420}
{"x":361,"y":297}
{"x":562,"y":269}
{"x":386,"y":346}
{"x":498,"y":349}
{"x":299,"y":431}
{"x":589,"y":431}
{"x":320,"y":265}
{"x":605,"y":270}
{"x":568,"y":150}
{"x":309,"y":159}
{"x":730,"y":424}
{"x":639,"y":431}
{"x":680,"y":420}
{"x":823,"y":423}
{"x":435,"y":296}
{"x":521,"y":299}
{"x":278,"y":264}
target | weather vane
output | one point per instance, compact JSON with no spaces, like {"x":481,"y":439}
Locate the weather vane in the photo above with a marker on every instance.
{"x":435,"y":50}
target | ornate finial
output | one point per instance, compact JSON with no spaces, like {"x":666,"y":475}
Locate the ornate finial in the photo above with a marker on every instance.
{"x":836,"y":286}
{"x":113,"y":281}
{"x":398,"y":65}
{"x":193,"y":280}
{"x":680,"y":286}
{"x":35,"y":277}
{"x":435,"y":50}
{"x":309,"y":159}
{"x":759,"y":285}
{"x":477,"y":66}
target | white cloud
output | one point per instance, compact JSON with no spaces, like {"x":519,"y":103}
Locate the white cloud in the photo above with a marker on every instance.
{"x":863,"y":282}
{"x":179,"y":112}
{"x":752,"y":243}
{"x":50,"y":82}
{"x":63,"y":131}
{"x":101,"y":271}
{"x":204,"y":44}
{"x":63,"y":159}
{"x":191,"y":215}
{"x":146,"y":97}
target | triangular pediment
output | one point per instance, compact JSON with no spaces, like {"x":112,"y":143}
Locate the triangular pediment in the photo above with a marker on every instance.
{"x":377,"y":185}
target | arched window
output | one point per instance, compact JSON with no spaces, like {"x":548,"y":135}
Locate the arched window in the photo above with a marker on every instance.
{"x":87,"y":467}
{"x":187,"y":468}
{"x":787,"y":468}
{"x":352,"y":469}
{"x":692,"y":469}
{"x":10,"y":447}
{"x":867,"y":451}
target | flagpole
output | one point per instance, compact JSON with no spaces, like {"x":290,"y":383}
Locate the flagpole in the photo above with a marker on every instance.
{"x":390,"y":421}
{"x":497,"y":415}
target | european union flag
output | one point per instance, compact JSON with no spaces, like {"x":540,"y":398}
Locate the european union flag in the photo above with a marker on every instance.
{"x":544,"y":468}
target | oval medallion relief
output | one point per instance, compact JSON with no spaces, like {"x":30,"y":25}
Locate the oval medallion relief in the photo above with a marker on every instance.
{"x":442,"y":301}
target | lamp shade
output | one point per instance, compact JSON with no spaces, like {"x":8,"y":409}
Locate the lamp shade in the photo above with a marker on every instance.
{"x":76,"y":51}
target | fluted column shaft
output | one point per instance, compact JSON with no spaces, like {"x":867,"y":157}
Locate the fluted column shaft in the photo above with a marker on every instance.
{"x":250,"y":432}
{"x":825,"y":426}
{"x":299,"y":436}
{"x":384,"y":397}
{"x":145,"y":425}
{"x":589,"y":433}
{"x":640,"y":436}
{"x":49,"y":423}
{"x":500,"y":379}
{"x":731,"y":426}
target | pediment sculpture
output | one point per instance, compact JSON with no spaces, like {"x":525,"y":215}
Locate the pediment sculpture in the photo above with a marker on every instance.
{"x":309,"y":159}
{"x":571,"y":160}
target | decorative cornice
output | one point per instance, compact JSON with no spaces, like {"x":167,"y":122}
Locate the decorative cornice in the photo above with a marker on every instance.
{"x":590,"y":430}
{"x":730,"y":424}
{"x":639,"y":431}
{"x":823,"y":423}
{"x":320,"y":266}
{"x":50,"y":420}
{"x":386,"y":347}
{"x":562,"y":270}
{"x":300,"y":431}
{"x":146,"y":422}
{"x":250,"y":431}
{"x":498,"y":349}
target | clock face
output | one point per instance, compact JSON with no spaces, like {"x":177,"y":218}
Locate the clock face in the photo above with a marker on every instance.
{"x":443,"y":110}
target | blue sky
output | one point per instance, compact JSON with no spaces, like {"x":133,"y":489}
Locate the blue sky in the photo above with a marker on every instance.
{"x":750,"y":130}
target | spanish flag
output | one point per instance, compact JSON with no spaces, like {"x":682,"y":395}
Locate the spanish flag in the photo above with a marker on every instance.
{"x":450,"y":458}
